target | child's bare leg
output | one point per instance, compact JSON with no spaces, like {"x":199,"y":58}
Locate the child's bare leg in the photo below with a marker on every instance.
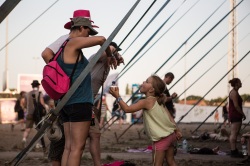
{"x":170,"y":156}
{"x":158,"y":157}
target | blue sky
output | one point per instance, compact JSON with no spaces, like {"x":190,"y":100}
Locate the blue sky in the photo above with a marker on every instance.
{"x":24,"y":52}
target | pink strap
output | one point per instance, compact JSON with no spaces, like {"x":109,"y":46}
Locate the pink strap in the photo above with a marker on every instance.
{"x":60,"y":50}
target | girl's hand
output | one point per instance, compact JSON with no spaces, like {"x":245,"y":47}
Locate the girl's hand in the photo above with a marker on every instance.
{"x":178,"y":134}
{"x":114,"y":91}
{"x":242,"y":140}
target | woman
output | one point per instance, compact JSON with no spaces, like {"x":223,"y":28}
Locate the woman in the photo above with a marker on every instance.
{"x":77,"y":112}
{"x":236,"y":115}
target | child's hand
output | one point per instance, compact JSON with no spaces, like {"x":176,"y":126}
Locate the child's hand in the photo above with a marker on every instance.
{"x":174,"y":95}
{"x":242,"y":140}
{"x":178,"y":134}
{"x":114,"y":91}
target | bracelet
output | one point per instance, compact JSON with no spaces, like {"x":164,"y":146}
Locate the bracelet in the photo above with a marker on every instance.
{"x":118,"y":99}
{"x":112,"y":55}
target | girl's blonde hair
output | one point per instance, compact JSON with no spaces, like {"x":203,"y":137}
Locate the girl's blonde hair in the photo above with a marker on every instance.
{"x":159,"y":87}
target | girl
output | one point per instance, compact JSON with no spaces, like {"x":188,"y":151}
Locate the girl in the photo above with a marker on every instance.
{"x":158,"y":123}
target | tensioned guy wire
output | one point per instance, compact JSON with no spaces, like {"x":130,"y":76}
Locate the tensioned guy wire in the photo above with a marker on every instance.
{"x":211,"y":67}
{"x":208,"y":32}
{"x":151,"y":37}
{"x":162,"y":36}
{"x":209,"y":115}
{"x":209,"y":51}
{"x":158,"y":12}
{"x":138,"y":22}
{"x":193,"y":34}
{"x":213,"y":87}
{"x":28,"y":25}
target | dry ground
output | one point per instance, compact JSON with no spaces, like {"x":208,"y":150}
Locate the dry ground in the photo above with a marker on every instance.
{"x":10,"y":146}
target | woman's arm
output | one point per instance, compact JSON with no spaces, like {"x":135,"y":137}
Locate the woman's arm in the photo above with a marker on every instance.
{"x":47,"y":54}
{"x":77,"y":43}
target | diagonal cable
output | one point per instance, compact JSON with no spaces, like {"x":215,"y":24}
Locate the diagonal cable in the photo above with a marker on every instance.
{"x":137,"y":22}
{"x":201,"y":37}
{"x":158,"y":12}
{"x":29,"y":25}
{"x":206,"y":34}
{"x":210,"y":67}
{"x":146,"y":43}
{"x":209,"y":51}
{"x":213,"y":87}
{"x":161,"y":36}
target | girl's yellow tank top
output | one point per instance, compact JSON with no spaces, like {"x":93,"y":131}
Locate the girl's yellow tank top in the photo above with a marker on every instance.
{"x":157,"y":123}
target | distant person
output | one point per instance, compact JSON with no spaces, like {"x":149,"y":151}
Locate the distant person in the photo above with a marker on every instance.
{"x":20,"y":110}
{"x":216,"y":117}
{"x":225,"y":114}
{"x":156,"y":117}
{"x":32,"y":113}
{"x":236,"y":115}
{"x":245,"y":139}
{"x":205,"y":151}
{"x":169,"y":77}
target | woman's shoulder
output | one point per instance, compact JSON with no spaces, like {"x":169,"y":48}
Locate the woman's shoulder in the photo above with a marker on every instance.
{"x":233,"y":92}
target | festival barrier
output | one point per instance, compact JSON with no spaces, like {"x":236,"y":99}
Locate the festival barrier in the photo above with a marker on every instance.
{"x":197,"y":115}
{"x":7,"y":113}
{"x":200,"y":113}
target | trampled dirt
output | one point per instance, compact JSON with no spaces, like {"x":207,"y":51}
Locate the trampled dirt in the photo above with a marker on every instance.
{"x":113,"y":150}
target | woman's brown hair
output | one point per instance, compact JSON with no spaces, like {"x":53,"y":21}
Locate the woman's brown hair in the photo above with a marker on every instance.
{"x":234,"y":81}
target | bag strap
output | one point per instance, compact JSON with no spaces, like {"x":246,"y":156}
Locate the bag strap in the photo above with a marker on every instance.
{"x":73,"y":71}
{"x":34,"y":100}
{"x":38,"y":98}
{"x":60,"y":50}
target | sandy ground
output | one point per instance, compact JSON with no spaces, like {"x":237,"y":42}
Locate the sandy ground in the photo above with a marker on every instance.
{"x":113,"y":150}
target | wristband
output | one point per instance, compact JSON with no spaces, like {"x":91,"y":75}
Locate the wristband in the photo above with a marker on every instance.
{"x":118,"y":99}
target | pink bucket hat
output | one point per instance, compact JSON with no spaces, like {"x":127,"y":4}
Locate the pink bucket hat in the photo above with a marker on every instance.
{"x":80,"y":13}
